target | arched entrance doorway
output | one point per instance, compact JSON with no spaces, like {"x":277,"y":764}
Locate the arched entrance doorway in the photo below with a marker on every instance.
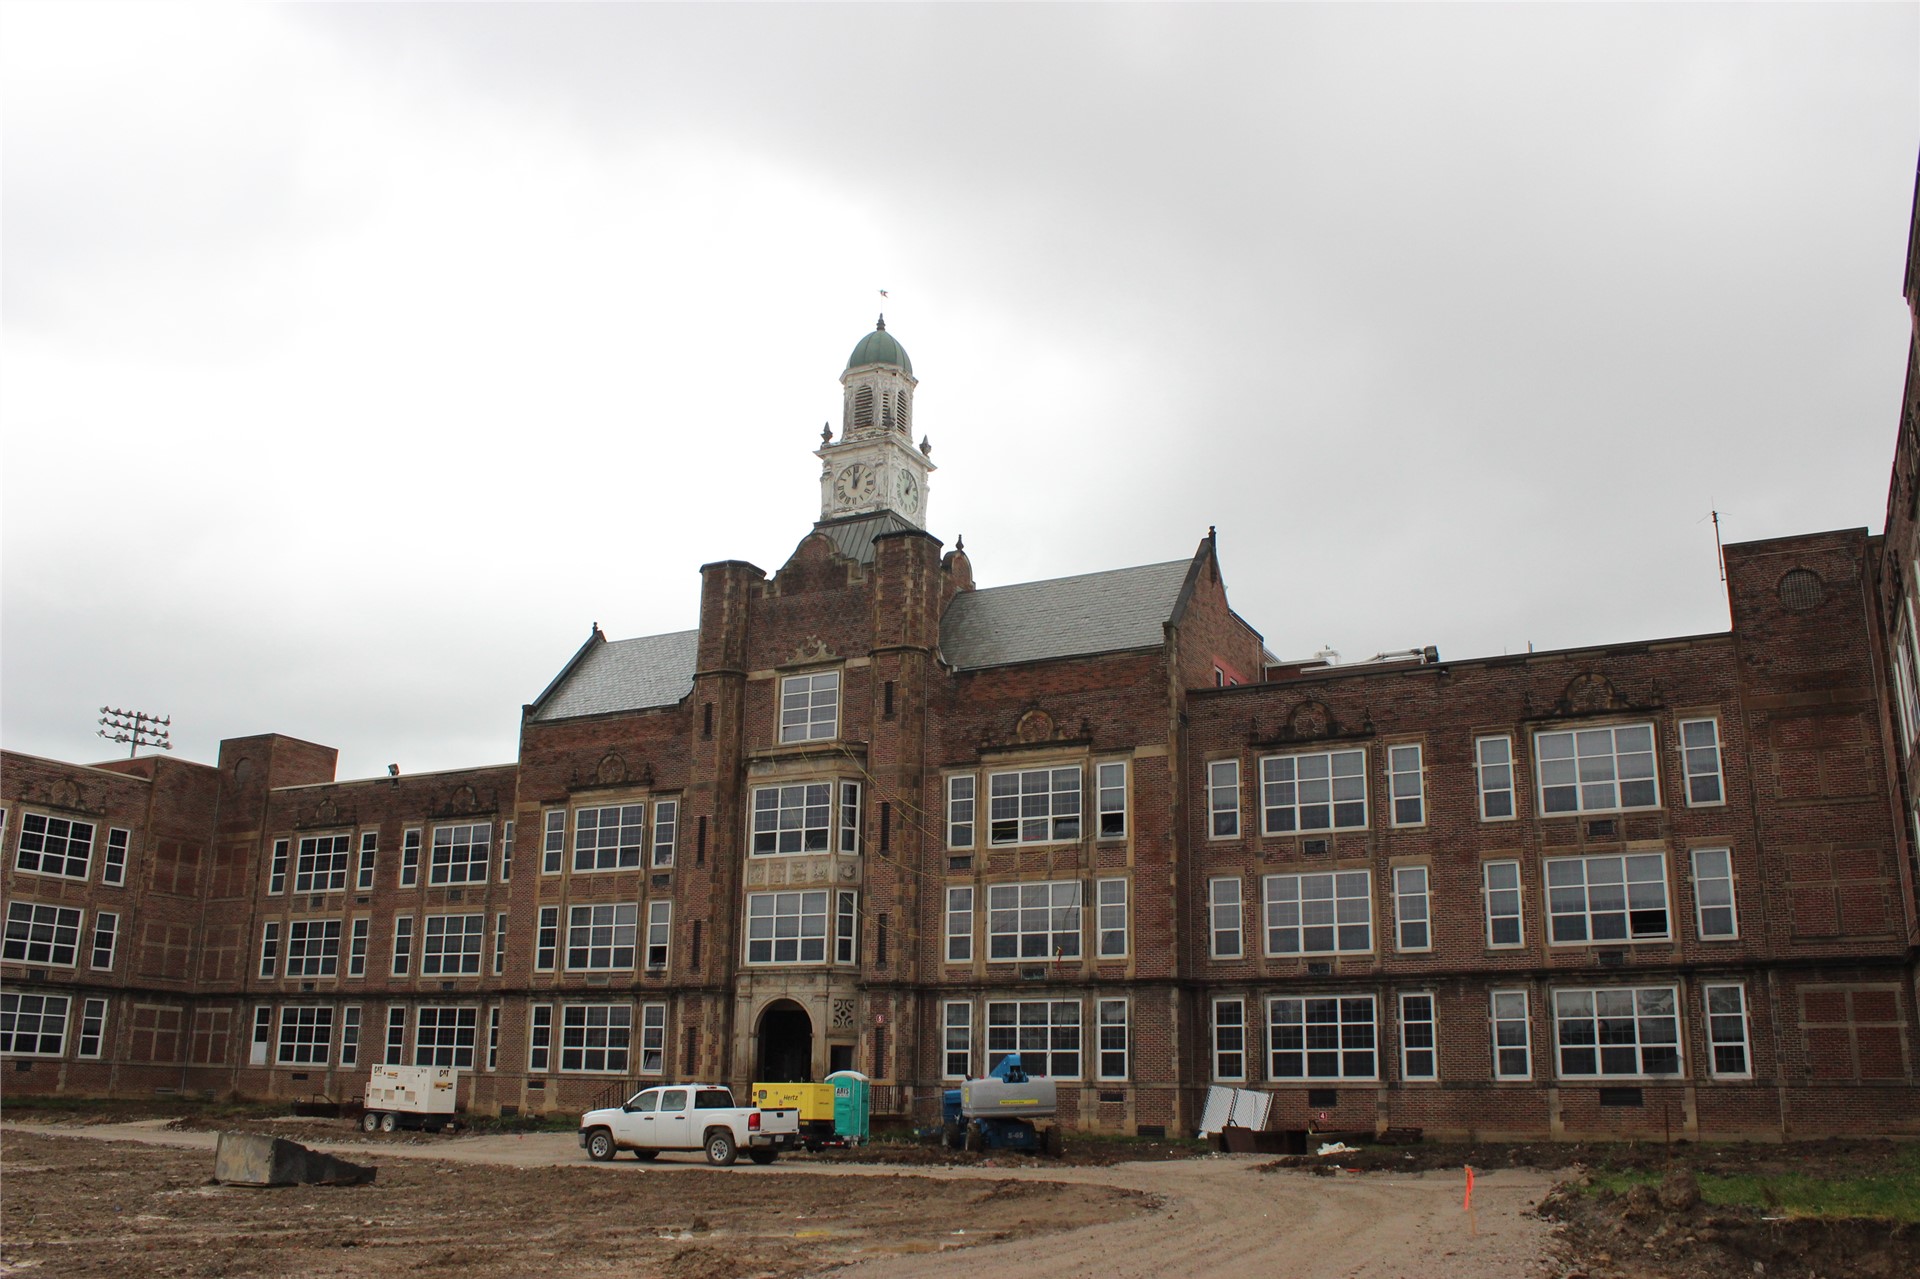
{"x":786,"y":1044}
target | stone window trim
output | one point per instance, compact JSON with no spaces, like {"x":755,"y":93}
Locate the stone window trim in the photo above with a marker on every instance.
{"x":539,"y":1038}
{"x":810,"y":817}
{"x":1307,"y":792}
{"x":1597,"y":768}
{"x":659,"y":934}
{"x":1112,"y":922}
{"x":1110,"y":799}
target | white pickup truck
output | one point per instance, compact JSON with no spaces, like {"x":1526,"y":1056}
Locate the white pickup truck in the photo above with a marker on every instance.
{"x":689,"y":1117}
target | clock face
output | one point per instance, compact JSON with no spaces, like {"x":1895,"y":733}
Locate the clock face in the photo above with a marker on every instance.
{"x":909,"y":491}
{"x":855,"y":484}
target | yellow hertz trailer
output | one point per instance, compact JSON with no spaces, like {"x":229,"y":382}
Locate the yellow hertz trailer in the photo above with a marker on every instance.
{"x":813,"y":1101}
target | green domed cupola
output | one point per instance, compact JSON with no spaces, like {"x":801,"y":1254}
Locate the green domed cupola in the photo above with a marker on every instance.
{"x":879,"y":347}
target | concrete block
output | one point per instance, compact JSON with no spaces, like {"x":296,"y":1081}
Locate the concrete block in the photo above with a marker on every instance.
{"x":253,"y":1159}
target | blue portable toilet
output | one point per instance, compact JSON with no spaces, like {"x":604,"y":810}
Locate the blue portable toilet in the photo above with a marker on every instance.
{"x":851,"y":1105}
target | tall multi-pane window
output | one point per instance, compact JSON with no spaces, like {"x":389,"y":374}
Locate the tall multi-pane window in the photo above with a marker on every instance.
{"x":1713,"y":893}
{"x":1223,"y":798}
{"x":1493,"y":769}
{"x":540,"y":1039}
{"x":959,"y":925}
{"x":792,"y":819}
{"x":396,"y":1036}
{"x":506,"y":851}
{"x":1229,"y":1039}
{"x":810,"y":707}
{"x":1328,"y":1038}
{"x":1419,"y":1046}
{"x":1319,"y":914}
{"x":1413,"y":922}
{"x":846,"y":929}
{"x":500,"y":943}
{"x":106,"y":936}
{"x":402,"y":945}
{"x":659,"y":932}
{"x":960,"y":810}
{"x":602,"y":937}
{"x":1322,"y":791}
{"x":450,"y":946}
{"x":1512,"y":1043}
{"x":1113,"y":1039}
{"x":1618,"y":1031}
{"x":1600,"y":899}
{"x":850,"y":818}
{"x":262,"y":1036}
{"x":1406,"y":785}
{"x":369,"y":854}
{"x":277,"y":869}
{"x":493,"y":1037}
{"x":1597,"y":769}
{"x":1727,"y":1030}
{"x":546,"y":939}
{"x":1034,"y":806}
{"x":958,"y":1021}
{"x":357,"y":947}
{"x":269,"y":950}
{"x":409,"y":858}
{"x":461,"y":853}
{"x":1045,"y":1032}
{"x":1224,"y":918}
{"x":609,"y":838}
{"x":666,"y":831}
{"x":1111,"y":902}
{"x":1111,"y":782}
{"x":553,"y":849}
{"x":93,"y":1029}
{"x":1034,"y":921}
{"x":1504,"y":923}
{"x":350,"y":1035}
{"x":1700,"y":751}
{"x":113,"y":867}
{"x":653,"y":1039}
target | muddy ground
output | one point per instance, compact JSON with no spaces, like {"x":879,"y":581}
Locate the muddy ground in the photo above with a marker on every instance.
{"x":79,"y":1207}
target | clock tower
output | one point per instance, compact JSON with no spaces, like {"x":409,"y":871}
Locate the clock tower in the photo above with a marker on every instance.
{"x":875,"y":466}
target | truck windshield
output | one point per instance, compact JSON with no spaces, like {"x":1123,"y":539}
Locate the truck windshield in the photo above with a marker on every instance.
{"x":643,"y":1101}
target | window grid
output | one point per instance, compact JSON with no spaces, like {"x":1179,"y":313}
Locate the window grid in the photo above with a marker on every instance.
{"x":93,"y":1029}
{"x":500,"y":943}
{"x":1321,"y":914}
{"x":1223,"y":798}
{"x":1033,"y":921}
{"x":1111,"y":784}
{"x":38,"y":934}
{"x":1112,"y":1015}
{"x":1223,"y":909}
{"x":1033,"y":806}
{"x":602,"y":937}
{"x":277,"y":874}
{"x":1505,"y":902}
{"x":322,"y":864}
{"x":56,"y":846}
{"x":1597,"y":770}
{"x":461,"y":853}
{"x":1512,"y":1038}
{"x":262,"y":1035}
{"x":609,"y":838}
{"x":547,"y":941}
{"x":409,"y":858}
{"x":595,"y":1038}
{"x":1419,"y":1046}
{"x":960,"y":811}
{"x":659,"y":933}
{"x":369,"y":854}
{"x":554,"y":850}
{"x":540,"y":1039}
{"x":960,"y":925}
{"x":396,"y":1036}
{"x":1045,"y":1032}
{"x":1493,"y":769}
{"x":1714,"y":913}
{"x":666,"y":831}
{"x":33,"y":1025}
{"x":269,"y":950}
{"x":306,"y":1033}
{"x":1614,"y":1032}
{"x":313,"y":948}
{"x":493,"y":1037}
{"x":1607,"y":899}
{"x":113,"y":866}
{"x":1727,"y":1031}
{"x":357,"y":948}
{"x":106,"y":938}
{"x":850,"y":819}
{"x":792,"y":819}
{"x":958,"y":1043}
{"x":445,"y":1037}
{"x":1229,"y":1039}
{"x":653,"y":1039}
{"x":1326,"y":790}
{"x":1110,"y":896}
{"x":1413,"y":923}
{"x":1322,"y":1038}
{"x":402,"y":945}
{"x":506,"y":851}
{"x":1406,"y":785}
{"x":350,"y":1035}
{"x":1700,"y":755}
{"x":450,"y":945}
{"x":810,"y":707}
{"x":787,"y":928}
{"x":846,"y":931}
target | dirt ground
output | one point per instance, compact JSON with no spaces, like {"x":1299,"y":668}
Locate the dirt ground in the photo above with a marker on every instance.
{"x":77,"y":1207}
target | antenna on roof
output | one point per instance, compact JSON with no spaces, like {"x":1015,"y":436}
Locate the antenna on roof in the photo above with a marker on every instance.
{"x":1719,"y":551}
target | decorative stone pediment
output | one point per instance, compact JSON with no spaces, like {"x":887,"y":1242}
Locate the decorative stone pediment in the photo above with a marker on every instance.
{"x":810,"y":649}
{"x":1590,"y":692}
{"x":1035,"y":726}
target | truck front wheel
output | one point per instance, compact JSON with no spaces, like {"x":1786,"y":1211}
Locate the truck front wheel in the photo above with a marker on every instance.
{"x":720,"y":1151}
{"x":600,"y":1145}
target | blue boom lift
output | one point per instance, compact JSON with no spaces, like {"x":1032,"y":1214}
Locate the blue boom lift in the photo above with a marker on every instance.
{"x":1000,"y":1111}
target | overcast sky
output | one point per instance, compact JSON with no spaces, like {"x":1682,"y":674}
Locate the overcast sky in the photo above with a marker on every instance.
{"x":358,"y":359}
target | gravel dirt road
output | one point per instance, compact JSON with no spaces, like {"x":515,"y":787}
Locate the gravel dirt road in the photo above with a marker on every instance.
{"x":518,"y":1204}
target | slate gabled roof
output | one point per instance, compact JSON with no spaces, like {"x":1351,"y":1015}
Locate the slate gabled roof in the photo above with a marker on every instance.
{"x":624,"y":675}
{"x":1121,"y":609}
